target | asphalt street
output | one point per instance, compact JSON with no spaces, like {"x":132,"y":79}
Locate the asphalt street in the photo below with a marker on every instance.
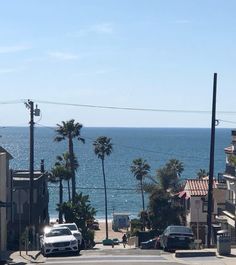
{"x":115,"y":260}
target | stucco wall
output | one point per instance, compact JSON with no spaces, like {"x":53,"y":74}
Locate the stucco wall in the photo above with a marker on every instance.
{"x":3,"y":195}
{"x":195,"y":213}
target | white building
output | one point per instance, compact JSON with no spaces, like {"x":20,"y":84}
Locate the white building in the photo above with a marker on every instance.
{"x":195,"y":198}
{"x":228,"y":218}
{"x":4,"y":187}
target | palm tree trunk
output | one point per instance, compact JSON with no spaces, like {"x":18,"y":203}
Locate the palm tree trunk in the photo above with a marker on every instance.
{"x":71,"y":154}
{"x":105,"y":192}
{"x":141,"y":184}
{"x":68,"y":186}
{"x":60,"y":201}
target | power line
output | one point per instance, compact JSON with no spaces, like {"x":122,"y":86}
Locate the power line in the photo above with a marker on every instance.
{"x":11,"y":102}
{"x":138,"y":148}
{"x":130,"y":108}
{"x":119,"y":108}
{"x":233,"y":122}
{"x":96,"y":188}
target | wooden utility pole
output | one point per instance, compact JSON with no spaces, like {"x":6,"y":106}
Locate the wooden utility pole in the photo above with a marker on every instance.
{"x":33,"y":112}
{"x":211,"y":165}
{"x":31,"y":166}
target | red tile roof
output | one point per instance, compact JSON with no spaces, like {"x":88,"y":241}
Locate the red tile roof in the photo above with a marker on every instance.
{"x":196,"y":187}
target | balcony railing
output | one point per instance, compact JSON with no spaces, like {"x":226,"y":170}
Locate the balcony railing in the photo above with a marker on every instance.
{"x":230,"y":170}
{"x":230,"y":206}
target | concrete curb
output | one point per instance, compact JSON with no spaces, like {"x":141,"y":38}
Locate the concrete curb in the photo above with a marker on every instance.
{"x":194,"y":253}
{"x":31,"y":257}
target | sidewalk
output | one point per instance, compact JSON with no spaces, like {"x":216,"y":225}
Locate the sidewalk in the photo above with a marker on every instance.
{"x":23,"y":258}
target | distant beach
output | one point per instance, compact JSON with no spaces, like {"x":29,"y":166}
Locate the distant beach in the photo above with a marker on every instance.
{"x":101,"y":233}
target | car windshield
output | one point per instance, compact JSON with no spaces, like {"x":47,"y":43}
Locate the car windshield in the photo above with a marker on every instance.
{"x":71,"y":227}
{"x":58,"y":232}
{"x":180,"y":229}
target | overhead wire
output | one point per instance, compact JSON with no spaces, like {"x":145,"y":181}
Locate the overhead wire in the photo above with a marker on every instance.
{"x":131,"y":108}
{"x":138,"y":148}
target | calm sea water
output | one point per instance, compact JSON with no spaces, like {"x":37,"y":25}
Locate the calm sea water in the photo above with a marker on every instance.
{"x":156,"y":145}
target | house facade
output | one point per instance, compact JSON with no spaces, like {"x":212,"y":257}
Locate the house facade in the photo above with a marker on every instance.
{"x":228,"y":216}
{"x":20,"y":204}
{"x":195,"y":200}
{"x":4,"y":187}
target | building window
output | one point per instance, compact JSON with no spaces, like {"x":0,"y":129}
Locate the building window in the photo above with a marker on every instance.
{"x":188,"y":204}
{"x":205,"y":205}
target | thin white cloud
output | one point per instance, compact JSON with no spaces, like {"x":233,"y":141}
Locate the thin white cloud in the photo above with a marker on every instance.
{"x":182,"y":21}
{"x":13,"y":49}
{"x":63,"y":56}
{"x":4,"y":71}
{"x":103,"y":28}
{"x":96,"y":72}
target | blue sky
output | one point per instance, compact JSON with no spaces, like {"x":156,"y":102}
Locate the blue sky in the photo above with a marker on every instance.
{"x":158,"y":54}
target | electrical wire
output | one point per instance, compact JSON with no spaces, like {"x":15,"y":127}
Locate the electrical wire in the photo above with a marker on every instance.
{"x":130,"y":108}
{"x":136,"y":148}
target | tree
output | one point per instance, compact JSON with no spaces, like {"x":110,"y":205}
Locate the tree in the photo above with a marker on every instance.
{"x":140,"y":168}
{"x":162,"y":207}
{"x":70,"y":130}
{"x":80,"y":212}
{"x":103,"y":147}
{"x":57,"y":175}
{"x":162,"y":212}
{"x":176,"y":167}
{"x":64,"y":160}
{"x":169,"y":175}
{"x":202,"y":173}
{"x":232,"y":160}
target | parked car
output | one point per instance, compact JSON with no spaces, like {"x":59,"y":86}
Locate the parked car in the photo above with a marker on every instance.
{"x":176,"y":237}
{"x":58,"y":240}
{"x":75,"y":231}
{"x":153,"y":243}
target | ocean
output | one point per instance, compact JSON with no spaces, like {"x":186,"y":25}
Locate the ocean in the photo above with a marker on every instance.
{"x":157,"y":145}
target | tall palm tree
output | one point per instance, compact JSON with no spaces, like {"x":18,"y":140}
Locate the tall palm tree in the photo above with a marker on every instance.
{"x":140,"y":168}
{"x":70,"y":130}
{"x":57,"y":175}
{"x":64,"y":160}
{"x":202,"y":173}
{"x":175,"y":166}
{"x":103,"y":147}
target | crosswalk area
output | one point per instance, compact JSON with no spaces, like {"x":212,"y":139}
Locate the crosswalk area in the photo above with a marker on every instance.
{"x":109,"y":259}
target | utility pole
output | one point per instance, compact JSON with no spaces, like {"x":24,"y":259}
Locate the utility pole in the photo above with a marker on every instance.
{"x":33,"y":112}
{"x":211,"y":165}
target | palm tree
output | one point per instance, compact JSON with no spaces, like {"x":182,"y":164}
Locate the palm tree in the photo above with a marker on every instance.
{"x":202,"y":173}
{"x":70,"y":130}
{"x":175,"y":166}
{"x":103,"y":147}
{"x":64,"y":160}
{"x":57,"y":175}
{"x":140,"y":168}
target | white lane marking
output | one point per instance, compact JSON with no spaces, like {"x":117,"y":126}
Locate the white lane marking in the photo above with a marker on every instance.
{"x":107,"y":259}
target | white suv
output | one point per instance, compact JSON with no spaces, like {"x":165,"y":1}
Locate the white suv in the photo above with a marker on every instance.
{"x":56,"y":240}
{"x":75,"y":231}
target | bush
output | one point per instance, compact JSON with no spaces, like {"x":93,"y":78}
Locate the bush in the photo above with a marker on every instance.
{"x":107,"y":242}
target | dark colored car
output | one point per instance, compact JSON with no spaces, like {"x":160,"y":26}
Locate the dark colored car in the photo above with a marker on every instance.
{"x":176,"y":237}
{"x":153,"y":243}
